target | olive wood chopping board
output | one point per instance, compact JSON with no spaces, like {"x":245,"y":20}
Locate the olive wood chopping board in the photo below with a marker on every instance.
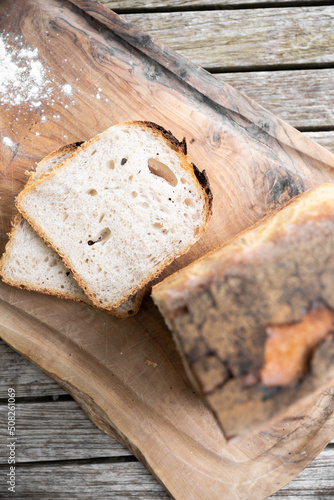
{"x":126,"y":374}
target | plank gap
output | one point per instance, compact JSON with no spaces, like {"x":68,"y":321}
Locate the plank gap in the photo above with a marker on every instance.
{"x":269,"y":68}
{"x":76,"y":462}
{"x":214,"y":7}
{"x":39,"y":399}
{"x":330,"y":128}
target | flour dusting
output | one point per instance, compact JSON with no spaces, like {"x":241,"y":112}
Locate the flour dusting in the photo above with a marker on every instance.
{"x":67,"y":89}
{"x":8,"y":142}
{"x":23,"y":78}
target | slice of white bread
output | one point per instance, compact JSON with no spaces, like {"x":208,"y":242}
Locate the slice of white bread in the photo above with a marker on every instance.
{"x":120,"y":209}
{"x":254,"y":319}
{"x":29,"y":263}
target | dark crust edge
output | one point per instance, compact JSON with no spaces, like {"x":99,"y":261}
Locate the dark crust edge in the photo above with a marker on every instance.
{"x":72,"y":145}
{"x":175,"y":143}
{"x":203,"y":179}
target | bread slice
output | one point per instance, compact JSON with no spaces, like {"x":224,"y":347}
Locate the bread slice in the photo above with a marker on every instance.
{"x":120,"y":209}
{"x":254,"y":319}
{"x":29,"y":263}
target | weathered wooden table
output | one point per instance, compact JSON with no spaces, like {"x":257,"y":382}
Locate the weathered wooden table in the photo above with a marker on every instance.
{"x":281,"y":55}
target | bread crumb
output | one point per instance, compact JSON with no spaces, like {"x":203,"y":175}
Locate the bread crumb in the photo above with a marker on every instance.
{"x":151,"y":363}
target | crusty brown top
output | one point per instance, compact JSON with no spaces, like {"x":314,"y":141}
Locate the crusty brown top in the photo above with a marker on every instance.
{"x":221,"y":308}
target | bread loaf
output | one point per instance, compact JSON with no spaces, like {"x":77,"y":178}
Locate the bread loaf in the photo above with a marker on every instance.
{"x":254,"y":319}
{"x":28,"y":262}
{"x":120,"y":209}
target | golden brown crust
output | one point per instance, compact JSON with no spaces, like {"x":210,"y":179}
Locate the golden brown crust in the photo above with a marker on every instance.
{"x":63,"y":295}
{"x":180,"y":148}
{"x":221,"y":308}
{"x":9,"y":243}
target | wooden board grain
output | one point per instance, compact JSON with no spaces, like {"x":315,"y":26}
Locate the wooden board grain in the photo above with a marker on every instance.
{"x":255,"y":163}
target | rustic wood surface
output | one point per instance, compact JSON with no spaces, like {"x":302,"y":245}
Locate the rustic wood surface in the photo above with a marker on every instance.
{"x":100,"y":476}
{"x":283,"y":37}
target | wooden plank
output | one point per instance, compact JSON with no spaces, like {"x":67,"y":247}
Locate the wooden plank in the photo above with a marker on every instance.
{"x":94,"y":481}
{"x":120,"y":481}
{"x":25,"y":377}
{"x":302,"y":98}
{"x":245,"y":38}
{"x":325,"y":139}
{"x":133,"y":5}
{"x":56,"y":430}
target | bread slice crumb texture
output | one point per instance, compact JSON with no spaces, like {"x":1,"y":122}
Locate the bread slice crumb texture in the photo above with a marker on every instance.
{"x":28,"y":262}
{"x":31,"y":264}
{"x":119,"y":210}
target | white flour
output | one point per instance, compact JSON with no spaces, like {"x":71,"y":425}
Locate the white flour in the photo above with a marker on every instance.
{"x":23,"y":79}
{"x":8,"y":142}
{"x":30,"y":91}
{"x":67,"y":89}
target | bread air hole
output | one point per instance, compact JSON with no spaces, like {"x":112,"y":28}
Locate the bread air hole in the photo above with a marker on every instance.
{"x":161,"y":170}
{"x":134,"y":194}
{"x":157,"y":225}
{"x":92,"y":192}
{"x":101,"y":217}
{"x":183,"y":181}
{"x":188,"y":202}
{"x":102,"y":237}
{"x":111,"y":164}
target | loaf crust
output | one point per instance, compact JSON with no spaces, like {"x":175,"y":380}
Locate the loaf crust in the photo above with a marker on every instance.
{"x":225,"y":308}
